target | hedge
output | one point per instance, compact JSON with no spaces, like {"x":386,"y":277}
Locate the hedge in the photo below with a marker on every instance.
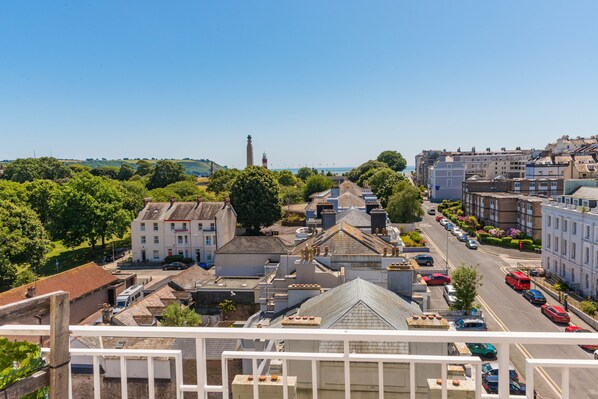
{"x":178,"y":258}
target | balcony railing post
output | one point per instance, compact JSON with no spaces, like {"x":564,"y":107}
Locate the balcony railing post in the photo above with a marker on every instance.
{"x":503,"y":371}
{"x":565,"y":383}
{"x":200,"y":358}
{"x":124,"y":393}
{"x":314,"y":379}
{"x":347,"y":369}
{"x":150,"y":377}
{"x":529,"y":379}
{"x":380,"y":380}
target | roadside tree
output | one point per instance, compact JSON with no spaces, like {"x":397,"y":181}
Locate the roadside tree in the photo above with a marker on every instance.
{"x":404,"y":205}
{"x":466,"y":280}
{"x":255,"y":197}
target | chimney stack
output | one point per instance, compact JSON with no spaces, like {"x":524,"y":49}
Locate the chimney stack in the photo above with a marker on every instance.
{"x":146,"y":201}
{"x":378,"y":220}
{"x":321,"y":206}
{"x":31,"y":292}
{"x":172,"y":200}
{"x":199,"y":200}
{"x":328,"y":218}
{"x":369,"y":205}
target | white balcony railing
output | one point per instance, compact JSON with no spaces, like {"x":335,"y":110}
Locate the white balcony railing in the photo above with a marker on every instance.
{"x":346,"y":358}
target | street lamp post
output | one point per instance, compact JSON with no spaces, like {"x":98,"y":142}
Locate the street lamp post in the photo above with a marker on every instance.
{"x":447,"y":252}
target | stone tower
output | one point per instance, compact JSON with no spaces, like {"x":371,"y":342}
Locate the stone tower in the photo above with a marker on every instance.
{"x":249,"y":151}
{"x":265,"y":161}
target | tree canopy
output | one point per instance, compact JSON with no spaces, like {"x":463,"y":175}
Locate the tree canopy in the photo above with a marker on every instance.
{"x":222,"y":180}
{"x":144,"y":168}
{"x":176,"y":315}
{"x":466,"y":280}
{"x":393,"y":159}
{"x":23,"y":241}
{"x":29,"y":169}
{"x":404,"y":205}
{"x":88,"y":208}
{"x":125,"y":172}
{"x":355,"y":174}
{"x":304,"y":173}
{"x":165,"y":172}
{"x":255,"y":197}
{"x":286,"y":178}
{"x":314,"y":184}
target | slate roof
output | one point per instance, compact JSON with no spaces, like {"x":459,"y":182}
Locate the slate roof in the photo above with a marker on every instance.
{"x":354,"y":217}
{"x":348,"y":200}
{"x":349,"y":187}
{"x":181,"y":211}
{"x":187,"y":279}
{"x":361,"y":305}
{"x":344,"y":239}
{"x":78,"y":282}
{"x":151,"y":306}
{"x":254,"y":245}
{"x":588,"y":193}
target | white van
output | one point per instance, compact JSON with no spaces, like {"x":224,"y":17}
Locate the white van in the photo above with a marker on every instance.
{"x":129,"y":296}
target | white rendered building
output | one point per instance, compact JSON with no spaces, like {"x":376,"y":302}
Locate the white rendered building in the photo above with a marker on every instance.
{"x":191,"y":229}
{"x":570,"y":239}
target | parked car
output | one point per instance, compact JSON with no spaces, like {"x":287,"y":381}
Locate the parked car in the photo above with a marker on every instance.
{"x":556,"y":314}
{"x":456,"y":231}
{"x":450,"y":294}
{"x":471,"y":244}
{"x":439,"y":218}
{"x":487,"y":351}
{"x":518,"y":280}
{"x":578,"y":329}
{"x":449,"y":226}
{"x":595,"y":355}
{"x":424,"y":260}
{"x":463,"y":237}
{"x":492,"y":369}
{"x":431,"y":211}
{"x":535,"y":297}
{"x":490,"y":384}
{"x":175,"y":266}
{"x":537,"y":272}
{"x":205,"y":265}
{"x":437,"y":279}
{"x":444,"y":222}
{"x":472,"y":324}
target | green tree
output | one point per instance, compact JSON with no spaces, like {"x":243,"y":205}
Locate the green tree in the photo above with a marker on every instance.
{"x":110,"y":172}
{"x":381,"y":177}
{"x":78,"y":168}
{"x":286,"y":178}
{"x":357,"y":172}
{"x":144,"y":168}
{"x":304,"y":173}
{"x":227,"y":306}
{"x":315,"y":184}
{"x":466,"y":280}
{"x":255,"y":197}
{"x":29,"y":169}
{"x":176,"y":315}
{"x":125,"y":172}
{"x":23,"y":241}
{"x":39,"y":198}
{"x":134,"y":194}
{"x":393,"y":159}
{"x":13,"y":192}
{"x":404,"y":205}
{"x":166,"y":172}
{"x":222,"y":180}
{"x":89,"y":208}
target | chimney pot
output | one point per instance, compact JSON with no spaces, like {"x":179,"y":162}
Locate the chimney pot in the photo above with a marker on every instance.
{"x":146,"y":201}
{"x":31,"y":292}
{"x":172,"y":200}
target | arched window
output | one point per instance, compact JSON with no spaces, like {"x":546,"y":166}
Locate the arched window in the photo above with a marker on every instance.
{"x":572,"y":275}
{"x":587,"y":281}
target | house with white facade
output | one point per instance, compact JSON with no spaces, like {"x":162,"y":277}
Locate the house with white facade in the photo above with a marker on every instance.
{"x":191,"y":229}
{"x":570,"y":239}
{"x":446,"y":179}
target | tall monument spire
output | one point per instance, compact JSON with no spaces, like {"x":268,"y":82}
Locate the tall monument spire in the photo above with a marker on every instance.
{"x":249,"y":151}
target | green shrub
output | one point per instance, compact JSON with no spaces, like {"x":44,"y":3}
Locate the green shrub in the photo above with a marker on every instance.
{"x":416,"y":237}
{"x":177,"y":258}
{"x":588,"y":307}
{"x":506,"y":241}
{"x":561,"y":286}
{"x":488,"y":228}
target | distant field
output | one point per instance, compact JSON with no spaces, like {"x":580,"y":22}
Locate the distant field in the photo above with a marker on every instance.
{"x":192,"y":166}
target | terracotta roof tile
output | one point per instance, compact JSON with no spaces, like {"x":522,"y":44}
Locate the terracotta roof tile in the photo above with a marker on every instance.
{"x":78,"y":282}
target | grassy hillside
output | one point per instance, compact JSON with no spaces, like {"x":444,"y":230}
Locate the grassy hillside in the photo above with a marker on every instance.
{"x":192,"y":166}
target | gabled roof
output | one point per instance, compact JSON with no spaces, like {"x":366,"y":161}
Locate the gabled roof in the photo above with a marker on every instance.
{"x":355,"y":218}
{"x":187,"y":279}
{"x":254,"y":245}
{"x":147,"y":309}
{"x":349,"y":187}
{"x":78,"y":282}
{"x":361,"y":305}
{"x":344,"y":239}
{"x":348,"y":200}
{"x":181,"y":211}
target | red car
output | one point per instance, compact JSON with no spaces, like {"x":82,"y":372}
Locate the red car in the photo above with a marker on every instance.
{"x":556,"y":314}
{"x":437,"y":279}
{"x":578,"y":329}
{"x":439,"y":218}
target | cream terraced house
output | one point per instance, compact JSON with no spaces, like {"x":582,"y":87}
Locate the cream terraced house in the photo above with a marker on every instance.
{"x":191,"y":229}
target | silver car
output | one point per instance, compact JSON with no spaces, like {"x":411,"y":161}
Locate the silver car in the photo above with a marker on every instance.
{"x":450,"y":294}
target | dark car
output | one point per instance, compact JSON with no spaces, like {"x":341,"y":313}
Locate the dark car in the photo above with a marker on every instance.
{"x":424,"y":260}
{"x":490,"y":384}
{"x":449,"y":226}
{"x":175,"y":266}
{"x":535,"y":297}
{"x":205,"y":265}
{"x":463,"y":237}
{"x":492,"y":369}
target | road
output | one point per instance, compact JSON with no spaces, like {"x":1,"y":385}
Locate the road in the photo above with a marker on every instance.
{"x":508,"y":311}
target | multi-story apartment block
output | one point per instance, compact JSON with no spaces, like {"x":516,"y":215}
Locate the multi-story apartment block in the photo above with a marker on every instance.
{"x":191,"y":229}
{"x":570,"y":239}
{"x":547,"y":187}
{"x":547,"y":166}
{"x":509,"y":169}
{"x":566,"y":144}
{"x":529,"y":216}
{"x":446,"y":179}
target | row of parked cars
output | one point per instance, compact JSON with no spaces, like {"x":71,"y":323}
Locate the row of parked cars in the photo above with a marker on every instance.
{"x":520,"y":281}
{"x":457,"y":232}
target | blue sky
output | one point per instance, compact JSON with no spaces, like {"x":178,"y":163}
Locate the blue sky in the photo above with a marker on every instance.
{"x":314,"y":82}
